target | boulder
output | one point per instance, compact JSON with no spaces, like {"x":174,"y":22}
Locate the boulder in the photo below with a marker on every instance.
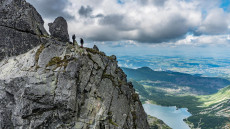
{"x":59,"y":29}
{"x":95,"y":48}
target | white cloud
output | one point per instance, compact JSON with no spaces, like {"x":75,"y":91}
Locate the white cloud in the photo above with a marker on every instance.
{"x":151,"y":21}
{"x":216,"y":22}
{"x":204,"y":41}
{"x":135,"y":21}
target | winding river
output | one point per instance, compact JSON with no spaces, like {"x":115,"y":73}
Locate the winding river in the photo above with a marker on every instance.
{"x":172,"y":116}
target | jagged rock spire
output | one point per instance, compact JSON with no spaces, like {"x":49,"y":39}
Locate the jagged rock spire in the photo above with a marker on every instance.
{"x":95,"y":48}
{"x":59,"y":29}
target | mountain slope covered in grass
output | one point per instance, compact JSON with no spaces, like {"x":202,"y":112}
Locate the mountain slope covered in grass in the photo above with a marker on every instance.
{"x":175,"y":81}
{"x":220,"y":96}
{"x":214,"y":110}
{"x":208,"y":111}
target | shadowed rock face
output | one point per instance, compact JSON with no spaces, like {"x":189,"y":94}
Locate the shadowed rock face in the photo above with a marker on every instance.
{"x":59,"y":29}
{"x":95,"y":48}
{"x":20,"y":27}
{"x":13,"y":42}
{"x":58,"y":85}
{"x":21,"y":16}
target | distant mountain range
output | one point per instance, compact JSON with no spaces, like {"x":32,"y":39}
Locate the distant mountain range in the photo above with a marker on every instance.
{"x":194,"y":84}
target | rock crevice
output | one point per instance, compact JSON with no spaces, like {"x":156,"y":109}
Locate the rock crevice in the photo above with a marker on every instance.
{"x":21,"y":27}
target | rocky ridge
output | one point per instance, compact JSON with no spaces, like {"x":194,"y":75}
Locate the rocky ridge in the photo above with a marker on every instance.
{"x":57,"y":84}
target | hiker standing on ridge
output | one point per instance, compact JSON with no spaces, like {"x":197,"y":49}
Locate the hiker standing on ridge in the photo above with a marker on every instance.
{"x":82,"y":42}
{"x":74,"y":37}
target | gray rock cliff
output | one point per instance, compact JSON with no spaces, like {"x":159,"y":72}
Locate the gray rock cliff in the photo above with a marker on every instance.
{"x":59,"y":85}
{"x":59,"y":29}
{"x":21,"y":27}
{"x":22,"y":16}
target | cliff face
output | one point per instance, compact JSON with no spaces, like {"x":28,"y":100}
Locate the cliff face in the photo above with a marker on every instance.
{"x":20,"y":25}
{"x":59,"y":85}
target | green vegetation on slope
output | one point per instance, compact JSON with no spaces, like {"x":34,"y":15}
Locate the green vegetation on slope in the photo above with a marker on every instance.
{"x":155,"y":123}
{"x":214,"y":116}
{"x":220,"y":96}
{"x":185,"y":83}
{"x":208,"y":111}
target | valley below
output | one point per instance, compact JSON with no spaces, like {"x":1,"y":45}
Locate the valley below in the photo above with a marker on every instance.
{"x":206,"y":98}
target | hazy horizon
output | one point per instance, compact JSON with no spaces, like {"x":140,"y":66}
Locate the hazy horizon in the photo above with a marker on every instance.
{"x":176,"y":31}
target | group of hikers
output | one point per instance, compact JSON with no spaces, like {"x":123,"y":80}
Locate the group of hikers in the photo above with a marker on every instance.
{"x":75,"y":48}
{"x":81,"y":40}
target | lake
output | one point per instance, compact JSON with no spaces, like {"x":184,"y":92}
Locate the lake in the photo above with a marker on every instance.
{"x":172,"y":116}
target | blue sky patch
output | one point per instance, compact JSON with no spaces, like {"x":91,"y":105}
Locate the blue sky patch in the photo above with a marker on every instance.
{"x":120,"y":1}
{"x":225,"y":5}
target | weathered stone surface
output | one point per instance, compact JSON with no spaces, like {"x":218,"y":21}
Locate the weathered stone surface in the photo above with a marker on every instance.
{"x":59,"y":29}
{"x":74,"y":91}
{"x":20,"y":15}
{"x":20,"y":27}
{"x":13,"y":42}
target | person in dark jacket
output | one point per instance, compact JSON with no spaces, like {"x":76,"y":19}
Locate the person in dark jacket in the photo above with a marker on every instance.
{"x":82,"y":42}
{"x":74,"y":38}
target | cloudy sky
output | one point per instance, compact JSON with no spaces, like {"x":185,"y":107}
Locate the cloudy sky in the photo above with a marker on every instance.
{"x":120,"y":23}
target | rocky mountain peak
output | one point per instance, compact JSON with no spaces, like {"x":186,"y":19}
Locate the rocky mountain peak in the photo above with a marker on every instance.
{"x":59,"y":29}
{"x":58,"y":85}
{"x":48,"y":83}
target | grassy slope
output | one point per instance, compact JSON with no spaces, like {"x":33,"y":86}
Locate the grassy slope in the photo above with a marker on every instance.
{"x":156,"y":123}
{"x":215,"y":111}
{"x":205,"y":109}
{"x":197,"y":85}
{"x":220,"y":96}
{"x":209,"y":111}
